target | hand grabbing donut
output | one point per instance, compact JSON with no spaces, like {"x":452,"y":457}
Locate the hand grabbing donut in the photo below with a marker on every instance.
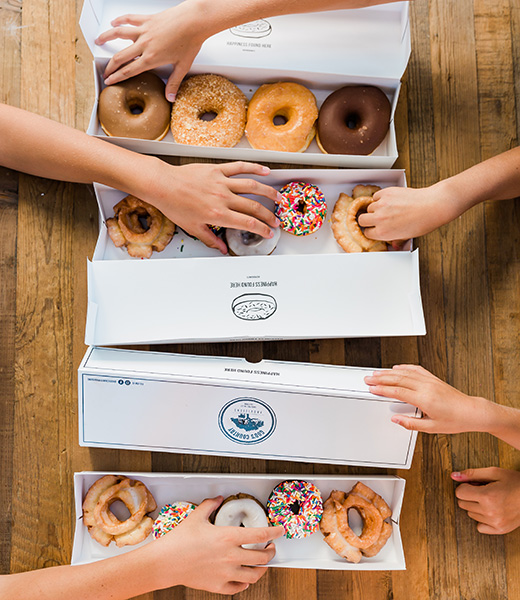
{"x":212,"y":558}
{"x":491,"y":497}
{"x":403,"y":213}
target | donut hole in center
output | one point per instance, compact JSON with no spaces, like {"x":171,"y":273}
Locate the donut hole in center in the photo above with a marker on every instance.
{"x":295,"y":507}
{"x":302,"y":207}
{"x":208,"y":115}
{"x":355,"y":521}
{"x":361,"y":211}
{"x":352,"y":121}
{"x":280,"y":119}
{"x":136,"y":107}
{"x":120,"y":510}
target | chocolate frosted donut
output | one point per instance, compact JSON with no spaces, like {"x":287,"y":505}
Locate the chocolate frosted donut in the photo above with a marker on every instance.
{"x":353,"y":120}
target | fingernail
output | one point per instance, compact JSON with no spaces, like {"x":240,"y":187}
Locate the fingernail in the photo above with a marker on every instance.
{"x":456,"y":475}
{"x":170,"y":97}
{"x":266,"y":170}
{"x":368,"y":379}
{"x":276,"y":222}
{"x":396,"y":420}
{"x":271,"y":233}
{"x":108,"y":80}
{"x":279,"y":197}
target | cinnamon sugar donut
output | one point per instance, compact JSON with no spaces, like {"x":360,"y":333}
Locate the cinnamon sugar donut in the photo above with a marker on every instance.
{"x":135,"y":108}
{"x":206,"y":94}
{"x":140,"y":227}
{"x":344,"y":223}
{"x":290,"y":101}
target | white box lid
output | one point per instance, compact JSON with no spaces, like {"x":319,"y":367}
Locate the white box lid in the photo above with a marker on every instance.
{"x":368,"y":42}
{"x":227,"y":406}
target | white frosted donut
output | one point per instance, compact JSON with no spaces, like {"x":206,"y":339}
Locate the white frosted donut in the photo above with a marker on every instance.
{"x":242,"y":510}
{"x":245,"y":243}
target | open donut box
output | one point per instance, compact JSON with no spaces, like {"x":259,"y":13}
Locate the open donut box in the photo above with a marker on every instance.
{"x":307,"y":553}
{"x":191,"y":293}
{"x":323,"y":51}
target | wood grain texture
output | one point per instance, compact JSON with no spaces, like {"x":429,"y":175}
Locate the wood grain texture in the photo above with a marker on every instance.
{"x":459,"y":104}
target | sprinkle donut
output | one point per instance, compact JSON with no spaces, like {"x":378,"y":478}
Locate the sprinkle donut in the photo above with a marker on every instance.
{"x":297,"y":506}
{"x":135,"y":108}
{"x":302,"y":208}
{"x":170,"y":516}
{"x":209,"y":94}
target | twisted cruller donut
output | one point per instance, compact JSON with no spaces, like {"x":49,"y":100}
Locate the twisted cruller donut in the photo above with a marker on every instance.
{"x":103,"y":525}
{"x":344,"y":223}
{"x":135,"y":108}
{"x":337,"y":531}
{"x":205,"y":94}
{"x":290,"y":101}
{"x":126,"y":227}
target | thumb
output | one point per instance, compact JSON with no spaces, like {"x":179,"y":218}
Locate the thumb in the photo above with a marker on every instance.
{"x":414,"y":423}
{"x":206,"y":507}
{"x":476,"y":475}
{"x":174,"y":82}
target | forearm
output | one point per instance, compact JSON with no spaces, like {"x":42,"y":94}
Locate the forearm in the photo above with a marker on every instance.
{"x":497,"y":178}
{"x":116,"y":578}
{"x":222,"y":14}
{"x":504,"y":423}
{"x":41,"y":147}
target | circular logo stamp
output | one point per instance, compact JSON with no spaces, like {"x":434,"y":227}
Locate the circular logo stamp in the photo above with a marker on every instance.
{"x":247,"y":420}
{"x":255,"y":29}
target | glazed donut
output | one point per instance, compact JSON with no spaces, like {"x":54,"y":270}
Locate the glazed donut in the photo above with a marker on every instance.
{"x":344,"y":223}
{"x":170,"y":516}
{"x":297,"y":506}
{"x":289,"y":101}
{"x":242,"y":510}
{"x":245,"y":243}
{"x":353,"y":120}
{"x":126,"y":227}
{"x":135,"y":108}
{"x":206,"y":94}
{"x":103,"y":526}
{"x":337,"y":531}
{"x":302,"y":208}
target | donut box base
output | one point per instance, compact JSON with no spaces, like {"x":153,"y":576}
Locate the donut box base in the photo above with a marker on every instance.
{"x":368,"y":46}
{"x":307,"y":288}
{"x":275,"y":410}
{"x":308,"y":553}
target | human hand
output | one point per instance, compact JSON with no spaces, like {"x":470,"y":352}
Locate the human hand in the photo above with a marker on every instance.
{"x":495,"y":503}
{"x":445,"y":409}
{"x":173,"y":36}
{"x":404,"y":213}
{"x":196,"y":196}
{"x":212,"y":558}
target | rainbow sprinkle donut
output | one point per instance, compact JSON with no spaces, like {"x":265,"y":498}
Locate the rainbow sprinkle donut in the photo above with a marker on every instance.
{"x":302,"y":209}
{"x":170,"y":516}
{"x":297,"y":506}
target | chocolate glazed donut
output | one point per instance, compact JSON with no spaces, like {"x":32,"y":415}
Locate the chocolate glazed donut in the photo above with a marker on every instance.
{"x":353,"y":120}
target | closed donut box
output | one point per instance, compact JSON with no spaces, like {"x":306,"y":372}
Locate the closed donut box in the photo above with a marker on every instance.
{"x":308,"y":553}
{"x":323,"y":51}
{"x":226,"y":406}
{"x":308,"y":288}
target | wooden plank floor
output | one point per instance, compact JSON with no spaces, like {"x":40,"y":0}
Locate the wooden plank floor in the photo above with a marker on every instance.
{"x":460,"y":103}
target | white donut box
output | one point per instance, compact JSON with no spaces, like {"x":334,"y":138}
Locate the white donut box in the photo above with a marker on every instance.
{"x":307,"y":553}
{"x":270,"y":410}
{"x":323,"y":51}
{"x":308,"y":288}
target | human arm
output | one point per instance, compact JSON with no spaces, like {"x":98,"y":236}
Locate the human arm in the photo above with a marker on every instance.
{"x":175,"y":35}
{"x":404,"y":213}
{"x":193,"y":196}
{"x":491,"y":496}
{"x":445,"y":409}
{"x":195,"y":554}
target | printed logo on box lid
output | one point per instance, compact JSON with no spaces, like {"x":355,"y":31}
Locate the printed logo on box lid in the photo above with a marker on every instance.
{"x":255,"y":29}
{"x":247,"y":420}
